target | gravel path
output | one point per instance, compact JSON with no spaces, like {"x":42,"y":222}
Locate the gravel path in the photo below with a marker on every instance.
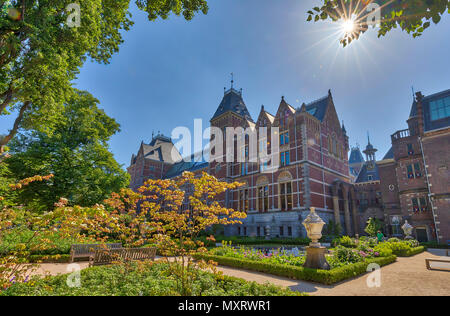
{"x":407,"y":276}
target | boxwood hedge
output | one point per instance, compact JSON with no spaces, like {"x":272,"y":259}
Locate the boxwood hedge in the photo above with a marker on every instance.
{"x":300,"y":273}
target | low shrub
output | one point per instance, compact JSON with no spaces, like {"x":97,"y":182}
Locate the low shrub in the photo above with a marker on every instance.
{"x":345,"y":241}
{"x":415,"y":251}
{"x":238,"y":240}
{"x":142,"y":279}
{"x":434,"y":244}
{"x":49,"y":259}
{"x":300,"y":273}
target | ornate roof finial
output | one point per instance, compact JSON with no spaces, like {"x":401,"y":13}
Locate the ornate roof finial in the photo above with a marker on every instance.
{"x":368,"y":138}
{"x":232,"y":80}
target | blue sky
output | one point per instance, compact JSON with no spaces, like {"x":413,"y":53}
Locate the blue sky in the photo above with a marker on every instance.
{"x":169,"y":72}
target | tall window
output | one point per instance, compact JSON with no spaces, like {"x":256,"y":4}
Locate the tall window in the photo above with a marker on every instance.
{"x":284,"y":138}
{"x":414,"y":171}
{"x":244,"y":168}
{"x":284,"y":119}
{"x":410,"y":149}
{"x":440,"y":109}
{"x":263,"y":198}
{"x":281,"y":231}
{"x":285,"y":159}
{"x":286,"y":196}
{"x":243,"y":200}
{"x":420,"y":204}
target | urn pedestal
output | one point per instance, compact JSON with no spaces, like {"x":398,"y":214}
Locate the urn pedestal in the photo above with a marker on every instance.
{"x":315,"y":258}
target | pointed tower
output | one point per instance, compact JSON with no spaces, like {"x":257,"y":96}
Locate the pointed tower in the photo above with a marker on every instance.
{"x":370,"y":150}
{"x":356,"y":161}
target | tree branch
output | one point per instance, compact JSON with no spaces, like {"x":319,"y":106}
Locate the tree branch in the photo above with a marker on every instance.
{"x":13,"y":131}
{"x":8,"y":97}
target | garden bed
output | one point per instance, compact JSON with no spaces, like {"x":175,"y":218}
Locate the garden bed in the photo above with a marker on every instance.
{"x":300,"y":273}
{"x":142,"y":279}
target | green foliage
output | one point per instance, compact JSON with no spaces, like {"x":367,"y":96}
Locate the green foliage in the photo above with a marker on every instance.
{"x":434,"y":244}
{"x":76,"y":153}
{"x":49,"y":259}
{"x":412,"y":16}
{"x":238,"y":240}
{"x":373,"y":226}
{"x":345,"y":241}
{"x":142,"y":279}
{"x":332,"y":229}
{"x":404,"y":248}
{"x":13,"y":239}
{"x":40,"y":54}
{"x":300,"y":273}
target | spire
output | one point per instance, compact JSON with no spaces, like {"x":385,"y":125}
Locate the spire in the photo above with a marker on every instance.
{"x":232,"y":80}
{"x":343,"y":127}
{"x":370,"y":150}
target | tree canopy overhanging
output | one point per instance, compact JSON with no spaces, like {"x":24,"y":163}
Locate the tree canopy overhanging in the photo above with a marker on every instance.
{"x":41,"y":54}
{"x":412,"y":16}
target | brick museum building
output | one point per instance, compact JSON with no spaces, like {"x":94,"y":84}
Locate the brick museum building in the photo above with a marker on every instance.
{"x":410,"y":183}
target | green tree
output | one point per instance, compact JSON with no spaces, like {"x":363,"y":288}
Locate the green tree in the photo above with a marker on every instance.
{"x":77,"y":154}
{"x":373,"y":226}
{"x":412,"y":16}
{"x":40,"y":53}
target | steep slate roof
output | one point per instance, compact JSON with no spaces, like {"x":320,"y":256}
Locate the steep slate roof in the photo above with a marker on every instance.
{"x":389,"y":154}
{"x":413,"y":112}
{"x":161,"y":149}
{"x":232,"y":101}
{"x":197,"y":161}
{"x":355,"y":156}
{"x":430,"y":125}
{"x":365,"y":172}
{"x":318,"y":108}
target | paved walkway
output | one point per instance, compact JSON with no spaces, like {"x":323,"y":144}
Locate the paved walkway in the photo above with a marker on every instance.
{"x":407,"y":276}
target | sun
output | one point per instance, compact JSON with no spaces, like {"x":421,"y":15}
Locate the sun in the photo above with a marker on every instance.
{"x":348,"y":26}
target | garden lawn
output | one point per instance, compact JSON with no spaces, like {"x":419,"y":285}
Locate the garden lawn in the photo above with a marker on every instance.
{"x":147,"y":279}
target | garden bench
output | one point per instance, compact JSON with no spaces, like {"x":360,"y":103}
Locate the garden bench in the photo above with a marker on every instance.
{"x":88,"y":250}
{"x":102,"y":256}
{"x":440,"y":260}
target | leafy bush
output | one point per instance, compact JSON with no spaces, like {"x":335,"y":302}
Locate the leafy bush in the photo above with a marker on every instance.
{"x":345,"y":241}
{"x":19,"y":236}
{"x":300,"y":273}
{"x":142,"y":279}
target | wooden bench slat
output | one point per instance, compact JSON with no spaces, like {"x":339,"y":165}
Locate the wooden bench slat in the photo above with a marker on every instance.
{"x":87,"y":250}
{"x":102,"y":256}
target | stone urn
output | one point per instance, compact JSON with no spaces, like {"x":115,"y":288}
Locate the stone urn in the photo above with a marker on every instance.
{"x":315,"y":253}
{"x":407,"y":230}
{"x":313,"y":224}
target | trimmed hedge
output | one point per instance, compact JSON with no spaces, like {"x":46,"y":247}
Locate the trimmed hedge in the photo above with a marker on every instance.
{"x":433,"y":244}
{"x":414,"y":251}
{"x":262,"y":241}
{"x":300,"y":273}
{"x":49,"y":259}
